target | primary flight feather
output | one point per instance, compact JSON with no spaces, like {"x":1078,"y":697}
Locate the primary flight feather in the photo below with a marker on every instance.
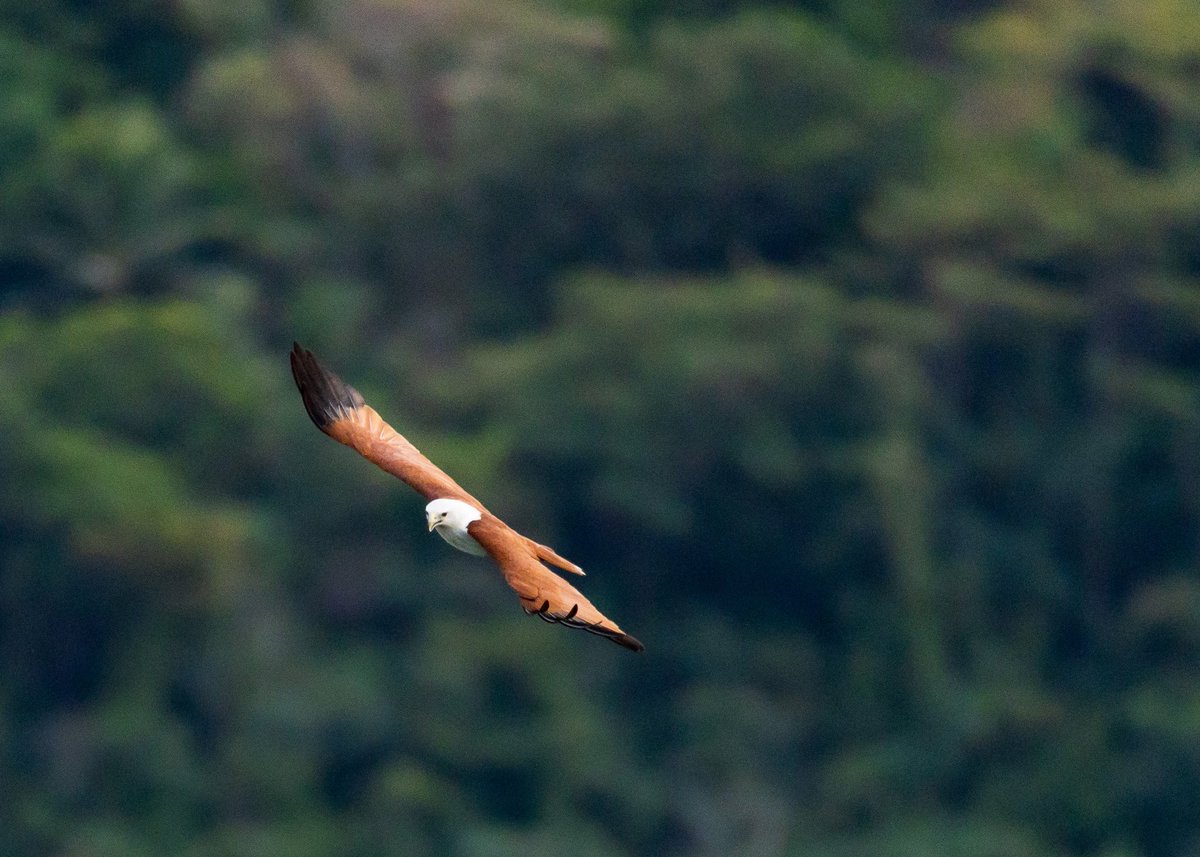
{"x":339,"y":411}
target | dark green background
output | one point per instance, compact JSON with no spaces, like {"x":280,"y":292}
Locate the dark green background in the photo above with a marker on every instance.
{"x":852,"y":347}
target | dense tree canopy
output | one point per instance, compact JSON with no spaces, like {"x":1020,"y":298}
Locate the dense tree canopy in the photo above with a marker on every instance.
{"x":853,"y":348}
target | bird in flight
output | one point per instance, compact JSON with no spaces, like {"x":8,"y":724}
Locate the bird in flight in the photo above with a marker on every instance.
{"x":339,"y":411}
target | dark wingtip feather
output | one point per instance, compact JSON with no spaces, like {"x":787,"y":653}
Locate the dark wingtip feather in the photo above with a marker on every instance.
{"x":568,"y":620}
{"x":619,"y":637}
{"x":631,"y":643}
{"x":327,"y":398}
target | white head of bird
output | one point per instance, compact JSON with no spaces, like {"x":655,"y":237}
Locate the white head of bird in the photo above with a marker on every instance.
{"x":450,"y":519}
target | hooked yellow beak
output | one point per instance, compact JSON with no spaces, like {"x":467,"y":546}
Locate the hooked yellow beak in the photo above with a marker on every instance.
{"x":430,"y":520}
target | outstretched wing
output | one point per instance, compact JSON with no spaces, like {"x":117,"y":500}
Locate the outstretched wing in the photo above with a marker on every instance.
{"x":542,"y":592}
{"x":339,"y":410}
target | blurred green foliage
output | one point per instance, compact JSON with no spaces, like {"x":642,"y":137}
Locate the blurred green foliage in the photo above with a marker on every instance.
{"x":854,"y":348}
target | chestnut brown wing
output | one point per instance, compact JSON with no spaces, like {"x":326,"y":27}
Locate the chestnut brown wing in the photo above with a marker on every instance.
{"x":542,"y":592}
{"x":339,"y":410}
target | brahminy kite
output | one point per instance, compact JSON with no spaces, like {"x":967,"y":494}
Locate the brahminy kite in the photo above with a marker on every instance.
{"x":339,"y":411}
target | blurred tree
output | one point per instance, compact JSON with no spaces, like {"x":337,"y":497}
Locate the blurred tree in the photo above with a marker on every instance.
{"x":1048,"y":235}
{"x":854,"y":346}
{"x":465,"y":170}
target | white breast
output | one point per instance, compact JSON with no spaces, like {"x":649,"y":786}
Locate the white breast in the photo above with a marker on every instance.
{"x":458,"y":537}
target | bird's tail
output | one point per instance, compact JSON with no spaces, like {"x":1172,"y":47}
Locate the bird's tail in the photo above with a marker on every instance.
{"x":550,"y":556}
